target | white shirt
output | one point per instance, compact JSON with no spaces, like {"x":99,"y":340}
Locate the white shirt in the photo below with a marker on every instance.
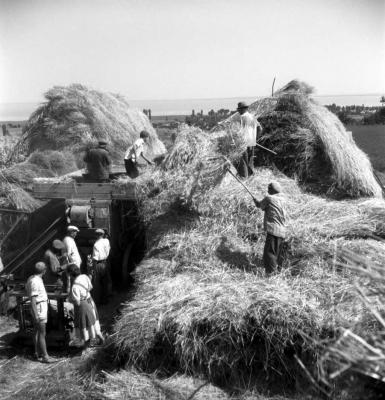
{"x":35,"y":288}
{"x":249,"y":126}
{"x":101,"y":249}
{"x":72,"y":251}
{"x":81,"y":288}
{"x":135,"y":151}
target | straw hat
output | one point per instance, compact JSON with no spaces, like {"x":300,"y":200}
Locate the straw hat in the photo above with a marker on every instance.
{"x":100,"y":231}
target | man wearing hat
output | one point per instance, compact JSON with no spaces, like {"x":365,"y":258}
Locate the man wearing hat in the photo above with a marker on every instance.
{"x":101,"y":280}
{"x":54,"y":260}
{"x":70,"y":246}
{"x":274,"y":206}
{"x":98,"y":163}
{"x":250,"y":130}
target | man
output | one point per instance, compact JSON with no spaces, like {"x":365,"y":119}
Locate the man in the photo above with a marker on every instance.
{"x":274,"y":206}
{"x":98,"y":163}
{"x":54,"y":261}
{"x":250,"y":129}
{"x":134,"y":152}
{"x":70,"y":246}
{"x":101,"y":280}
{"x":39,"y":310}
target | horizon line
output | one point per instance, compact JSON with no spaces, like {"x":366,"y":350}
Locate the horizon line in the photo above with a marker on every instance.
{"x":207,"y":98}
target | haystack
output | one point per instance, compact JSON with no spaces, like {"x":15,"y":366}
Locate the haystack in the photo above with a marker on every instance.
{"x":202,"y":305}
{"x":73,"y":119}
{"x":76,"y":117}
{"x":312,"y":144}
{"x":358,"y":351}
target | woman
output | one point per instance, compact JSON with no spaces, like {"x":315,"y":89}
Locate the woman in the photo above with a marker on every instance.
{"x":87,"y":325}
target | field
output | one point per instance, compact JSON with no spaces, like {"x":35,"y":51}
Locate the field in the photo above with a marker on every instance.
{"x":197,"y":332}
{"x":371,"y":139}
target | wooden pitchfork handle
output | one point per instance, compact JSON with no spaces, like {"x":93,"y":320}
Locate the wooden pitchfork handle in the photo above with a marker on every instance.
{"x":247,"y":189}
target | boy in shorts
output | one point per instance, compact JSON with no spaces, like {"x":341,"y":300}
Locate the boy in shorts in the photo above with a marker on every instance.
{"x":39,"y":310}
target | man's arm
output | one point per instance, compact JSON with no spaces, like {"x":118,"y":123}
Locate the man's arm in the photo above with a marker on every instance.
{"x":95,"y":253}
{"x":145,"y":159}
{"x":75,"y":295}
{"x":35,"y":314}
{"x":259,"y":129}
{"x":257,"y":202}
{"x":86,"y":157}
{"x":53,"y":263}
{"x":261,"y":203}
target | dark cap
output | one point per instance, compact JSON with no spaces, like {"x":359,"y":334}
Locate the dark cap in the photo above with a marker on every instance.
{"x":102,"y":143}
{"x":144,"y":134}
{"x":242,"y":105}
{"x":275,"y":186}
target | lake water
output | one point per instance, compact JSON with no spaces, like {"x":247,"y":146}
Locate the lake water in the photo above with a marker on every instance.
{"x":22,"y":111}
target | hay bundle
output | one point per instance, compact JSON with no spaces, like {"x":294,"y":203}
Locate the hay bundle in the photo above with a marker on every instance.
{"x":129,"y":384}
{"x":194,"y":166}
{"x":312,"y":144}
{"x":45,"y":164}
{"x":357,"y":350}
{"x":190,"y":144}
{"x":14,"y":197}
{"x":75,"y":117}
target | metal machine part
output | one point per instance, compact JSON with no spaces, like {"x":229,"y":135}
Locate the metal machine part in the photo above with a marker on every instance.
{"x":80,"y":216}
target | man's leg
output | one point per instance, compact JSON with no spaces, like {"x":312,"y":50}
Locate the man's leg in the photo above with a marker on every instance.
{"x":270,"y":253}
{"x":108,"y":279}
{"x":104,"y":283}
{"x":41,"y":339}
{"x":131,"y":169}
{"x":250,"y":151}
{"x":97,"y":283}
{"x":281,"y":252}
{"x":243,"y":165}
{"x":36,"y":339}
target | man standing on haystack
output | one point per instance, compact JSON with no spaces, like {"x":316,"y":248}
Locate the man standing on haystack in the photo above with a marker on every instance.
{"x":275,"y":219}
{"x":133,"y":153}
{"x":250,"y":130}
{"x":98,"y":163}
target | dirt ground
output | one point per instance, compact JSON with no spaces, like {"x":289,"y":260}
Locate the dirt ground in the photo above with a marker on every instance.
{"x":17,"y":366}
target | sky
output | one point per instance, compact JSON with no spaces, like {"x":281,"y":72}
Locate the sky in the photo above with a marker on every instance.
{"x":179,"y":49}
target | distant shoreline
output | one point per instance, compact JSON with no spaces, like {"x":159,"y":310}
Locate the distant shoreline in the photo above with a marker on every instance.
{"x":11,"y":112}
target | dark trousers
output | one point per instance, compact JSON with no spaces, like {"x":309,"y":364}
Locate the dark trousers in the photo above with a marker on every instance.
{"x":131,"y":169}
{"x":246,"y":164}
{"x":272,"y":253}
{"x":101,"y":282}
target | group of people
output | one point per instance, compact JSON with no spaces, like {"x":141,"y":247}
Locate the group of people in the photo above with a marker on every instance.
{"x":273,"y":204}
{"x":62,"y":267}
{"x":99,"y":162}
